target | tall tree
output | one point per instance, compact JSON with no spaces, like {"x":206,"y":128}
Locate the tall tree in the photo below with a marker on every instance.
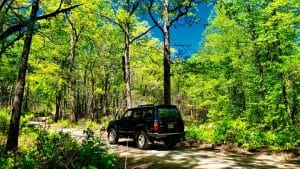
{"x":30,"y":25}
{"x":13,"y":134}
{"x":124,"y":15}
{"x":172,"y":11}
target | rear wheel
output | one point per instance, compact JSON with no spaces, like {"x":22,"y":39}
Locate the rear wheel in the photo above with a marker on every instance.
{"x":141,"y":140}
{"x":112,"y":136}
{"x":170,"y":142}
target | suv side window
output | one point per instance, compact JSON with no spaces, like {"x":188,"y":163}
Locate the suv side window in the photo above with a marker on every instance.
{"x":127,"y":114}
{"x":137,"y":114}
{"x":147,"y":113}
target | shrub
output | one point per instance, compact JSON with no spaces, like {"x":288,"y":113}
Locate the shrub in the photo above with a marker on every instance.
{"x":93,"y":155}
{"x":65,"y":124}
{"x":62,"y":151}
{"x":246,"y":136}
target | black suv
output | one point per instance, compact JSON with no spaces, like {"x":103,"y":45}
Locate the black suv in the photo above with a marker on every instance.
{"x":148,"y":123}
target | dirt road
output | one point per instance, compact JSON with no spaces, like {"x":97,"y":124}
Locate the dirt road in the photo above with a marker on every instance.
{"x":157,"y":157}
{"x":183,"y":157}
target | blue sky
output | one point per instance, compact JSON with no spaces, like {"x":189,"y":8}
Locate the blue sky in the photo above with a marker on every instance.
{"x":186,"y":39}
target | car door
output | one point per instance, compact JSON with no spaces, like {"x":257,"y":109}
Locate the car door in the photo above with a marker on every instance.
{"x":147,"y":118}
{"x":125,"y":121}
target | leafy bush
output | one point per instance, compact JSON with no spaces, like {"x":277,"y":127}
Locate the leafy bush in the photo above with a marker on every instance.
{"x":65,"y":124}
{"x":203,"y":133}
{"x":249,"y":137}
{"x":288,"y":138}
{"x":92,"y":154}
{"x":60,"y":150}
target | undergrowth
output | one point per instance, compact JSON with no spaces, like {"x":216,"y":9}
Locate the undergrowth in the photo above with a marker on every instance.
{"x":246,"y":136}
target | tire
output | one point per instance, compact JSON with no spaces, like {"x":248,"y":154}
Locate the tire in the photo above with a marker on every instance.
{"x":170,"y":142}
{"x":141,"y":140}
{"x":112,"y":136}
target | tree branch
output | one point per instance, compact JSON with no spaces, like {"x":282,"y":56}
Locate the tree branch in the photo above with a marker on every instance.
{"x":8,"y":6}
{"x":134,"y":7}
{"x":2,"y":4}
{"x":11,"y":43}
{"x":142,"y":34}
{"x":58,"y":11}
{"x":181,"y":13}
{"x":152,"y":17}
{"x":49,"y":38}
{"x":19,"y":26}
{"x":113,"y":21}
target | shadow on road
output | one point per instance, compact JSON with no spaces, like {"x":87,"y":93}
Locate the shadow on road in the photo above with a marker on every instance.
{"x":158,"y":157}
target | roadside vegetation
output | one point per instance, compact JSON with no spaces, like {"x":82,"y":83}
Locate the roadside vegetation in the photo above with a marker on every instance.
{"x":240,"y":134}
{"x":42,"y":149}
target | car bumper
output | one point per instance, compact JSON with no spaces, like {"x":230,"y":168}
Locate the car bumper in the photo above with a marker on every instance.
{"x":180,"y":135}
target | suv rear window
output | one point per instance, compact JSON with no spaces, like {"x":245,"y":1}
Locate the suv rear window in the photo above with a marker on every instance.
{"x":168,"y":112}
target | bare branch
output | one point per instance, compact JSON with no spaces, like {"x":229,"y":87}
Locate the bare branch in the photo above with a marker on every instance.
{"x":142,"y":34}
{"x":60,"y":4}
{"x":58,"y":11}
{"x":134,"y":7}
{"x":152,"y":17}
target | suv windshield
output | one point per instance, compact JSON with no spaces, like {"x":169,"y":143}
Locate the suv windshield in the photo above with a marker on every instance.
{"x":168,"y":112}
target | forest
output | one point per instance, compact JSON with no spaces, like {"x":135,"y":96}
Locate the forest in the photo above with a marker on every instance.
{"x":87,"y":61}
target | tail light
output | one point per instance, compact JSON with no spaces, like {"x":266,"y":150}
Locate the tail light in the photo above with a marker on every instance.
{"x":155,"y":126}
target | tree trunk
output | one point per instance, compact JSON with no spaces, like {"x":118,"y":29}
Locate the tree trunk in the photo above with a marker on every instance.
{"x":93,"y":102}
{"x":13,"y":133}
{"x":167,"y":74}
{"x":26,"y":107}
{"x":57,"y":106}
{"x":295,"y":104}
{"x":74,"y":40}
{"x":85,"y":95}
{"x":78,"y":113}
{"x":285,"y":100}
{"x":106,"y":89}
{"x":10,"y":96}
{"x":127,"y":67}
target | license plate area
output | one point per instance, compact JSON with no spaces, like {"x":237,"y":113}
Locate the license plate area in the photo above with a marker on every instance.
{"x":170,"y":126}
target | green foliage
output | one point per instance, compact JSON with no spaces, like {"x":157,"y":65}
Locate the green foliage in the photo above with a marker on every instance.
{"x":90,"y":124}
{"x":93,"y":150}
{"x":4,"y":120}
{"x":247,"y":76}
{"x":61,"y":151}
{"x":65,"y":124}
{"x":238,"y":131}
{"x":243,"y":83}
